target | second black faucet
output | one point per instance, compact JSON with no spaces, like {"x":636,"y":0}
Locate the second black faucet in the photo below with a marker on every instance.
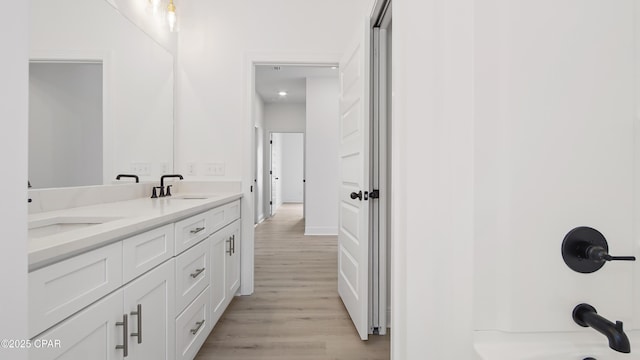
{"x":162,"y":189}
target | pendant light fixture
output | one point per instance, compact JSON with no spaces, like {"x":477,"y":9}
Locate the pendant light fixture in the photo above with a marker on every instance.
{"x":171,"y":16}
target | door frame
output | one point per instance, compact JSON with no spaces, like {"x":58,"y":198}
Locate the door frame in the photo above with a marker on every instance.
{"x":251,"y":59}
{"x":381,"y":171}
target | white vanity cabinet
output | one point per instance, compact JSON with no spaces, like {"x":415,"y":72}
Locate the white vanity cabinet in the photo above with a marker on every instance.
{"x":155,"y":295}
{"x":137,"y":318}
{"x":225,"y":260}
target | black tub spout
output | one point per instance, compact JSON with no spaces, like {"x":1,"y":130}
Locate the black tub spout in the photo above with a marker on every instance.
{"x":586,"y":315}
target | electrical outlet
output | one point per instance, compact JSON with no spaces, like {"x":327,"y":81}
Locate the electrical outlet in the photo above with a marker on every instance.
{"x":164,"y":168}
{"x":214,"y":169}
{"x":191,"y":169}
{"x":141,"y":168}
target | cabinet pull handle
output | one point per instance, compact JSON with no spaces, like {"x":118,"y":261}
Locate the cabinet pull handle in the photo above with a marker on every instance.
{"x":125,"y":331}
{"x":138,"y":313}
{"x":229,"y":249}
{"x":196,"y":273}
{"x":198,"y":326}
{"x":196,"y":230}
{"x":233,"y":242}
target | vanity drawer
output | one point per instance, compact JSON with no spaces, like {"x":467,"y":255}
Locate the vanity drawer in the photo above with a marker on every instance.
{"x":143,"y":252}
{"x":61,"y":289}
{"x":232,"y":212}
{"x":224,"y":215}
{"x":192,"y":230}
{"x":192,"y":327}
{"x":193,"y":269}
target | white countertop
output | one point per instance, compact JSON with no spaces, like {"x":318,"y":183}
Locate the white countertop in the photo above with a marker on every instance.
{"x":134,"y":216}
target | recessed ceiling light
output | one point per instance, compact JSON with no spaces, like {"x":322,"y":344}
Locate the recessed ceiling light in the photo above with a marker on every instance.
{"x":334,"y":67}
{"x":282,"y":93}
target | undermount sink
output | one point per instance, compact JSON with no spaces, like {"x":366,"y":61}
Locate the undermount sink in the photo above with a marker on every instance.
{"x":57,"y":225}
{"x":190,"y":197}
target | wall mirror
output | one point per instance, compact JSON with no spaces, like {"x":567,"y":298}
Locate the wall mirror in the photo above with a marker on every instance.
{"x":100,"y":98}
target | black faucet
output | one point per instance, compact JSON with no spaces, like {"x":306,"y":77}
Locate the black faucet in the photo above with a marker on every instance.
{"x":162,"y":193}
{"x":128,"y":176}
{"x":586,"y":315}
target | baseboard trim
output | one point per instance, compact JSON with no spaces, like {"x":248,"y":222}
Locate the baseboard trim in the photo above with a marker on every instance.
{"x":320,"y":231}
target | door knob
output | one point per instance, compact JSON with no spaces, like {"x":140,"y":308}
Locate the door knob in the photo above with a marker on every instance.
{"x":357,"y":195}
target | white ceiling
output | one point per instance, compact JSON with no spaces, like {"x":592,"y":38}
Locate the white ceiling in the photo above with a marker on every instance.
{"x":289,"y":78}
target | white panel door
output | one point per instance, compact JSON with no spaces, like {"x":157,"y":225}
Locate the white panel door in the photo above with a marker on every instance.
{"x":353,"y":236}
{"x":276,"y":172}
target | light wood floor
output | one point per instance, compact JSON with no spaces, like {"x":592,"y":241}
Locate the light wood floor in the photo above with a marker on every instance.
{"x":295,"y":312}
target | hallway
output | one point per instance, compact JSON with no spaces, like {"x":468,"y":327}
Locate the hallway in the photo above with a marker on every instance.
{"x":295,"y":312}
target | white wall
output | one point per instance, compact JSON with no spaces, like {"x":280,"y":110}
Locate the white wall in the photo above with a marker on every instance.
{"x":292,"y":167}
{"x":214,"y":39}
{"x":138,"y":93}
{"x":433,"y":179}
{"x":322,"y":168}
{"x":153,"y":25}
{"x":13,"y":144}
{"x":285,"y":117}
{"x":65,"y":124}
{"x":217,"y":43}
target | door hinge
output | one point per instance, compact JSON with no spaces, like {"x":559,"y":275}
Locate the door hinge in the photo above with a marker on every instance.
{"x":374,"y":194}
{"x":270,"y":202}
{"x":270,"y":172}
{"x":270,"y":141}
{"x":251,"y":188}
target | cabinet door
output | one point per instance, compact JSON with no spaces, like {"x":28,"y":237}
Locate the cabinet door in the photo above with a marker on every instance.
{"x":220,"y":245}
{"x":149,"y":302}
{"x":62,"y":289}
{"x":90,"y":334}
{"x":233,"y":261}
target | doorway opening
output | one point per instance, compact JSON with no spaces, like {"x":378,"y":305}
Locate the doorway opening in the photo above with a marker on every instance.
{"x":287,"y":170}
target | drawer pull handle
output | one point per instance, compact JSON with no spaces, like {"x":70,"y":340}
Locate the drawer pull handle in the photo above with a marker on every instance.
{"x":138,"y":313}
{"x":196,"y":273}
{"x":125,"y":331}
{"x":229,"y":249}
{"x":196,"y":230}
{"x":198,"y":326}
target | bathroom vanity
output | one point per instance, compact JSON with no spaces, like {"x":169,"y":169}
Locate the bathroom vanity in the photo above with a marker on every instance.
{"x":137,"y":279}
